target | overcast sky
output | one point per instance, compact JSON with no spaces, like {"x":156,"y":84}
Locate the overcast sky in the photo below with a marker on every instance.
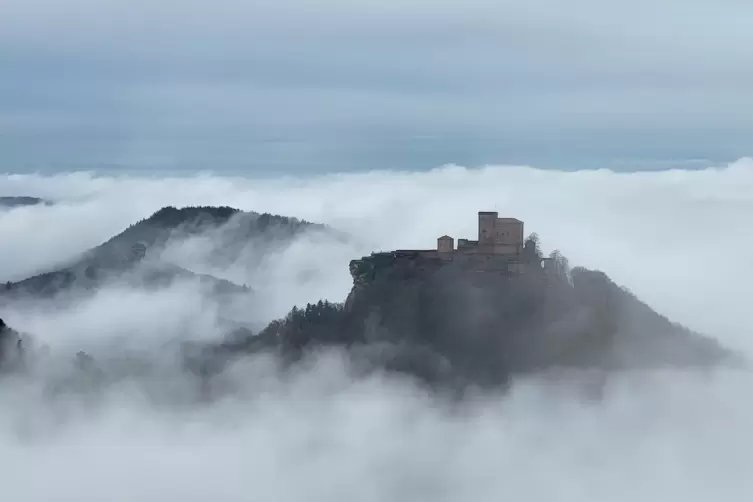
{"x":312,"y":86}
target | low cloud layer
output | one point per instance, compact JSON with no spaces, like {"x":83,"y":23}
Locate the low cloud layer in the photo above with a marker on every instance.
{"x":675,"y":238}
{"x":656,"y":233}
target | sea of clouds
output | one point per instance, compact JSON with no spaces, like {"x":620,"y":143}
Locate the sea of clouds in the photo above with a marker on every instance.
{"x":677,"y":239}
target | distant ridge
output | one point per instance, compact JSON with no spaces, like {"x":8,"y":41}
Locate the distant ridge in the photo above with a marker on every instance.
{"x":21,"y":200}
{"x":119,"y":254}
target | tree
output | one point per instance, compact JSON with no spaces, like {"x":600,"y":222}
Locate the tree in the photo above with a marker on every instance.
{"x":531,"y":248}
{"x":534,"y":238}
{"x":560,"y":264}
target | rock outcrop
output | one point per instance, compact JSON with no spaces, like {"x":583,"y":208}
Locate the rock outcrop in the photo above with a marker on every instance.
{"x":491,"y":325}
{"x":481,"y":323}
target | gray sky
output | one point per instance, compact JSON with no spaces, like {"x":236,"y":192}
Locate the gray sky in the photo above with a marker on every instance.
{"x":333,"y":85}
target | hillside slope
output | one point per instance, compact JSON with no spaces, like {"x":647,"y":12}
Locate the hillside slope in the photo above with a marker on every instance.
{"x":141,"y":243}
{"x":451,"y":324}
{"x":448,"y":323}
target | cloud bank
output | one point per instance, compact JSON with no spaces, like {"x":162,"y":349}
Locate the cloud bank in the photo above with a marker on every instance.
{"x":298,"y":85}
{"x":675,"y":238}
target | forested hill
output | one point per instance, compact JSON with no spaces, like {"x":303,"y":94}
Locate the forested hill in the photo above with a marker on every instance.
{"x":170,"y":222}
{"x":230,"y":230}
{"x":444,"y":323}
{"x":452,"y":324}
{"x":20,"y":201}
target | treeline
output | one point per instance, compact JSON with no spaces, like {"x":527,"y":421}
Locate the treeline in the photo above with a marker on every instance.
{"x":320,"y":322}
{"x":172,"y":217}
{"x":324,"y":322}
{"x":559,"y":263}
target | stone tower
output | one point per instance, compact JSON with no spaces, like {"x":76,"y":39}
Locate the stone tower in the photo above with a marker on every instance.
{"x":499,"y":235}
{"x":445,"y":244}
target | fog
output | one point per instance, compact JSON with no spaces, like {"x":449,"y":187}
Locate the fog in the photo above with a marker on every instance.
{"x":677,"y":239}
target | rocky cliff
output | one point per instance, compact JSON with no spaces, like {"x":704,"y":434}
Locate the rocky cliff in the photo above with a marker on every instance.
{"x":483,"y":321}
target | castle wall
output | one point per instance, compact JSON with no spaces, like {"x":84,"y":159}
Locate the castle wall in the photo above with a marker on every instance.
{"x":508,"y":249}
{"x":428,"y":254}
{"x":493,"y":263}
{"x":508,"y":231}
{"x":518,"y":268}
{"x":465,"y":245}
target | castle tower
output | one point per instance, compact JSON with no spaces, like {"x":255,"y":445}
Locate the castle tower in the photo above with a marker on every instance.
{"x":486,"y":221}
{"x":509,"y":233}
{"x":486,"y":232}
{"x":445,"y":244}
{"x":499,"y":235}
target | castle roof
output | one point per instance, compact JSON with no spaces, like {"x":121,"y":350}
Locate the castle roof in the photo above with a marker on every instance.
{"x":445,"y":238}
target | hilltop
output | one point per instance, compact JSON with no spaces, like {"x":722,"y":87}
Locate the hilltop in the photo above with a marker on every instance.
{"x":474,"y":315}
{"x":140,"y":244}
{"x":445,"y":324}
{"x":173,"y":223}
{"x":21,"y":200}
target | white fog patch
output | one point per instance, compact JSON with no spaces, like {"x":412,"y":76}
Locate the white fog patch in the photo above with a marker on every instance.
{"x":662,"y":436}
{"x":128,"y":317}
{"x":676,"y":239}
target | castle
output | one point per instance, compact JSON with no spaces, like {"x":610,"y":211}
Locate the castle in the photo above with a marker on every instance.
{"x":501,"y":248}
{"x":496,"y":236}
